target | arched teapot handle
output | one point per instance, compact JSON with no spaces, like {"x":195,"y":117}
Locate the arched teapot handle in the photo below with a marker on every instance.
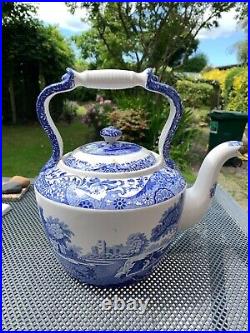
{"x":107,"y":79}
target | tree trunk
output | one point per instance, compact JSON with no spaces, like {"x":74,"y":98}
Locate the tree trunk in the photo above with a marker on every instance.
{"x":32,"y":89}
{"x":12,"y":100}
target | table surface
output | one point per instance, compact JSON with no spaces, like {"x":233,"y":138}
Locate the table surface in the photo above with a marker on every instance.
{"x":200,"y":285}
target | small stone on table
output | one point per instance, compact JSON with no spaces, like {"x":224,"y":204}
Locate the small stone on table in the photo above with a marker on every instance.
{"x":11,"y":188}
{"x":24,"y":182}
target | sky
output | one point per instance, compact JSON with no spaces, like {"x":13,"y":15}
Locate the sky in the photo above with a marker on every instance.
{"x":216,"y":43}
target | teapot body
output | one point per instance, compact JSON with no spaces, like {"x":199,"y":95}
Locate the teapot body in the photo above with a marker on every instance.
{"x":111,"y":209}
{"x":107,"y":247}
{"x":111,"y":229}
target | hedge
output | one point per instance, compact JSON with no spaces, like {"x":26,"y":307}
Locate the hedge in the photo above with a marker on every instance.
{"x":237,"y":99}
{"x":234,"y":87}
{"x":195,"y":94}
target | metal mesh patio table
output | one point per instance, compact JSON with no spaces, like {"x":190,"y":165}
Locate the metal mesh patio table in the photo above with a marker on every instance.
{"x":201,"y":284}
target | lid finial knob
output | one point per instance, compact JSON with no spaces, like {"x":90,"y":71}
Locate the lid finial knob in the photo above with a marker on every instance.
{"x":111,"y":134}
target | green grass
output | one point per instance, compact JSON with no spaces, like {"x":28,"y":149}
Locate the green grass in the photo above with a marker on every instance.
{"x":27,"y":148}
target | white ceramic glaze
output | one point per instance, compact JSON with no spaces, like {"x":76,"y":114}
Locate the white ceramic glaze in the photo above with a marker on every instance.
{"x":197,"y":199}
{"x":111,"y":208}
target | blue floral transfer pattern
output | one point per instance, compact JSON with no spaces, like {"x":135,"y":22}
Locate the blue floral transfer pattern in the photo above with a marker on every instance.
{"x":212,"y":190}
{"x":154,"y":85}
{"x":168,"y":219}
{"x":140,"y":164}
{"x":109,"y":194}
{"x":110,"y":149}
{"x":66,"y":84}
{"x":110,"y":131}
{"x":106,"y":264}
{"x":235,"y":143}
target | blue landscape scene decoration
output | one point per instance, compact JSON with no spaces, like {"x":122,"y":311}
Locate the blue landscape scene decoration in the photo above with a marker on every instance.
{"x":124,"y":262}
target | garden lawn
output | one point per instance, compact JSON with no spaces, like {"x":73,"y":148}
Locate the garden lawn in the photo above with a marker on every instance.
{"x":27,"y":148}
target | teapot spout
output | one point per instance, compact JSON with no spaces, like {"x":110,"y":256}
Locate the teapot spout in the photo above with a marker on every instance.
{"x":198,"y":197}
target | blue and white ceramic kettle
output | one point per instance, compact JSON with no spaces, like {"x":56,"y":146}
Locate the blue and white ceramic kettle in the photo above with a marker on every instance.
{"x":110,"y":208}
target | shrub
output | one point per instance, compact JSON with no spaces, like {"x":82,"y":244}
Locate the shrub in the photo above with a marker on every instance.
{"x":183,"y":139}
{"x":69,"y":111}
{"x":234,"y":87}
{"x":238,"y":95}
{"x":81,"y":94}
{"x":156,"y":110}
{"x":133,"y":123}
{"x":195,"y":94}
{"x":97,"y":117}
{"x":200,"y":116}
{"x":56,"y":106}
{"x":195,"y":64}
{"x":141,"y":118}
{"x":154,"y":107}
{"x":217,"y":75}
{"x":229,"y":80}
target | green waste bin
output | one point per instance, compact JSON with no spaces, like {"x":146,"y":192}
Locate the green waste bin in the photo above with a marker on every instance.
{"x":226,"y":126}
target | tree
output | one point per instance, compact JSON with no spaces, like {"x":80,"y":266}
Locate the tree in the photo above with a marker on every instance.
{"x":242,"y":13}
{"x":14,"y":14}
{"x":136,"y":35}
{"x":17,"y":12}
{"x":136,"y":243}
{"x":242,"y":17}
{"x":242,"y":51}
{"x":33,"y":56}
{"x":195,"y":64}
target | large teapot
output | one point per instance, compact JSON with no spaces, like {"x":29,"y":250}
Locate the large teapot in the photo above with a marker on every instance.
{"x":110,"y":208}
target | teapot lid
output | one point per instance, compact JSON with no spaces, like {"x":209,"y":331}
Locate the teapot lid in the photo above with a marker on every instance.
{"x":110,"y":155}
